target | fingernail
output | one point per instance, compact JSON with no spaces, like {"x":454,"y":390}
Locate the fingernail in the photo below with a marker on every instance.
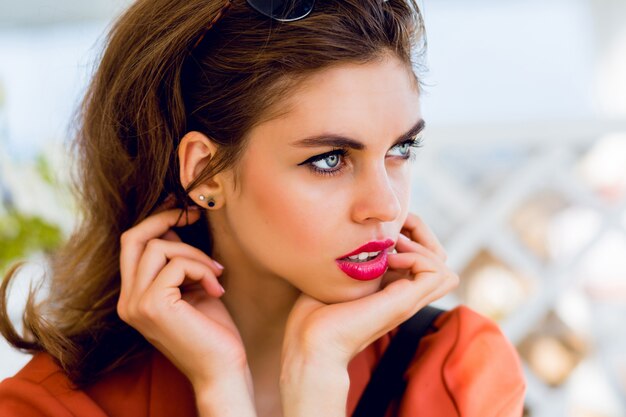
{"x":404,"y":236}
{"x":219,"y":265}
{"x":223,"y":290}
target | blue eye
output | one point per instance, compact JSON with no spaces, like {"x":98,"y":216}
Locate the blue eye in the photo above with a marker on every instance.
{"x":329,"y":163}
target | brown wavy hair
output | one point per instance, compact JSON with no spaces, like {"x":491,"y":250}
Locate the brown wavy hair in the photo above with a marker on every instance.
{"x":152,"y":85}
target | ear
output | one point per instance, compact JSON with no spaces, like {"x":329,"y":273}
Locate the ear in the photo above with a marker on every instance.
{"x":194,"y":153}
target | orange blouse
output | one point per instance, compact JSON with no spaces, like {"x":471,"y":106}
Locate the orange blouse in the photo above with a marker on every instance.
{"x":467,"y":368}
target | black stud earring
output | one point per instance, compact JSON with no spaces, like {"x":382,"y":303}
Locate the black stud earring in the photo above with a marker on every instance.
{"x":211,"y":201}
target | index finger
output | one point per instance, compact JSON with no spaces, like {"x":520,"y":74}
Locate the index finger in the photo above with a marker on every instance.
{"x":133,"y":240}
{"x":421,"y":233}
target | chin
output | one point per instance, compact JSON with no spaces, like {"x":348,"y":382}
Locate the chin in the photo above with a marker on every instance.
{"x":351,"y":292}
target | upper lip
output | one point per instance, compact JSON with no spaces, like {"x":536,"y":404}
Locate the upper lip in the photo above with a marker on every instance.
{"x":373,"y":246}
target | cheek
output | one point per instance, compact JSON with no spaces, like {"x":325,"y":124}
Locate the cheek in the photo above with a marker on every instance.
{"x":300,"y":217}
{"x":402,"y":181}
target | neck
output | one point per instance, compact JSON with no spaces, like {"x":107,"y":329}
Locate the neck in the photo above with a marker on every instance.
{"x":258,"y":300}
{"x":259,"y":306}
{"x":259,"y":303}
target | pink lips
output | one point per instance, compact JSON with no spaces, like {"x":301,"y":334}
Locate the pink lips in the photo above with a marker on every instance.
{"x":365,"y":271}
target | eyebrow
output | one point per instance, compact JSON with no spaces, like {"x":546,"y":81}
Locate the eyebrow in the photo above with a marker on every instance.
{"x":339,"y":141}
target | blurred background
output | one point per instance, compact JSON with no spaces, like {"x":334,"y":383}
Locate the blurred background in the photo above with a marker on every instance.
{"x":522,"y":177}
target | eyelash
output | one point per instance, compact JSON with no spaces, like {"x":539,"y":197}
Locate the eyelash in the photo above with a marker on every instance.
{"x":414,"y":143}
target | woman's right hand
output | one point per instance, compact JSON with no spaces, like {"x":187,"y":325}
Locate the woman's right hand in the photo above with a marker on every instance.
{"x":191,"y":328}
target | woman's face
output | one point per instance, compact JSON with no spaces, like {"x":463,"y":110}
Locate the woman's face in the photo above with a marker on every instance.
{"x":294,"y":218}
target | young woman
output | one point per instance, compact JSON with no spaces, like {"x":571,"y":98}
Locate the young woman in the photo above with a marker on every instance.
{"x":245,"y":246}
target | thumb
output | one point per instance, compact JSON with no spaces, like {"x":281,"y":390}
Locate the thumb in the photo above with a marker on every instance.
{"x":367,"y":319}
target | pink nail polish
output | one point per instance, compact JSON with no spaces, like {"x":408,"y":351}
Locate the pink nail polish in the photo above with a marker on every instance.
{"x":219,"y":265}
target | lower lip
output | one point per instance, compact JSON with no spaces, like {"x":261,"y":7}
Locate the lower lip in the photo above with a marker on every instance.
{"x":365,"y":271}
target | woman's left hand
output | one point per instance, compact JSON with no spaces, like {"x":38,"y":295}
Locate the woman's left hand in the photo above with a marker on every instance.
{"x":321,"y":339}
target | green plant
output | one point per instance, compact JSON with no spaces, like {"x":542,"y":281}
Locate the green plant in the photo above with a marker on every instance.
{"x":23,"y":234}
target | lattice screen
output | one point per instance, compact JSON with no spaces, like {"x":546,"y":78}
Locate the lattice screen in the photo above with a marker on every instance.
{"x":534,"y":221}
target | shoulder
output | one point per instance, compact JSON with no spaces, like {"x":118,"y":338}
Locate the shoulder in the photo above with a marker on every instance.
{"x":41,"y":388}
{"x":148,"y":386}
{"x":467,"y":367}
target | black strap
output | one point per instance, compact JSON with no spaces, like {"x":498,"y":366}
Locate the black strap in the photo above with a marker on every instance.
{"x":387,"y":380}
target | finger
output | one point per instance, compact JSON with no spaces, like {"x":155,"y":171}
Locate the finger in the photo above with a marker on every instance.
{"x":416,"y":263}
{"x":162,"y":304}
{"x":380,"y":312}
{"x":421,"y":232}
{"x":393,"y":275}
{"x":428,"y":261}
{"x":157,"y":254}
{"x":402,"y":298}
{"x":171,"y":236}
{"x":425,"y":268}
{"x":386,"y":309}
{"x":405,"y":244}
{"x":168,"y":203}
{"x":133,"y":241}
{"x":165,"y":287}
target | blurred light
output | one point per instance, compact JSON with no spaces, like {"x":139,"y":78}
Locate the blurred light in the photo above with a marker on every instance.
{"x":551,"y":360}
{"x":570,"y":229}
{"x":590,"y":394}
{"x":492,"y":288}
{"x":573,"y":308}
{"x":531,"y":220}
{"x":603,"y":168}
{"x":602,"y":270}
{"x":553,"y":350}
{"x":551,"y":227}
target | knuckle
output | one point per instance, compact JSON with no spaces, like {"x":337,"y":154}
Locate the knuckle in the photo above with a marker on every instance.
{"x":312,"y":338}
{"x":398,"y":288}
{"x":126,"y":237}
{"x":417,"y":219}
{"x":178,"y":262}
{"x":154,"y":245}
{"x":145,"y":309}
{"x":121,"y":312}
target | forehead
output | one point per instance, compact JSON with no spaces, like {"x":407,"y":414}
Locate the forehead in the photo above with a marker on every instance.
{"x":377,"y":99}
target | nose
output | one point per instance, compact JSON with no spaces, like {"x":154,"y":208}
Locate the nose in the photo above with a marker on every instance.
{"x":376,"y":198}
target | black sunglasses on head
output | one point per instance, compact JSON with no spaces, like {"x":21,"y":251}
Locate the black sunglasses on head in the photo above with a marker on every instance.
{"x":283,"y":10}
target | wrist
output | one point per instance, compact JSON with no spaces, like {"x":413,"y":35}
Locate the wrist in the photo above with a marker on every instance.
{"x":312,"y":388}
{"x":226,"y":397}
{"x":213,"y":379}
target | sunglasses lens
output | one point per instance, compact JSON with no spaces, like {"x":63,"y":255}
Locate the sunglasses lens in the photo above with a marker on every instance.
{"x":284,"y":10}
